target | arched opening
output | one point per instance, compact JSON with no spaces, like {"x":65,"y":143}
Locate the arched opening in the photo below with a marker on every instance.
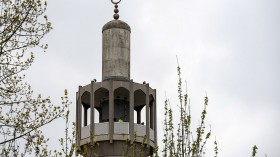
{"x":139,"y":104}
{"x":101,"y":105}
{"x":151,"y":111}
{"x":86,"y":108}
{"x":121,"y":105}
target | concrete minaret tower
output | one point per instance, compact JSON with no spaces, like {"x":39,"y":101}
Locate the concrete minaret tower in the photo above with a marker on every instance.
{"x":117,"y":101}
{"x":116,"y":51}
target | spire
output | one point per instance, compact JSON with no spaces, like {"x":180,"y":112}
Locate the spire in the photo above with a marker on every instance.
{"x":116,"y":10}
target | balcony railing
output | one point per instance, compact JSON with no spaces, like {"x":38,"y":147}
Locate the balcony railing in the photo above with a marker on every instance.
{"x":121,"y":131}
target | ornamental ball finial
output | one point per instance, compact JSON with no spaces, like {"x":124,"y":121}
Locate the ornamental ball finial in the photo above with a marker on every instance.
{"x":116,"y":16}
{"x":116,"y":10}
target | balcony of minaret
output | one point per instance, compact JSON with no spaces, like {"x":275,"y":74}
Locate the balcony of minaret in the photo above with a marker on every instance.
{"x":116,"y":111}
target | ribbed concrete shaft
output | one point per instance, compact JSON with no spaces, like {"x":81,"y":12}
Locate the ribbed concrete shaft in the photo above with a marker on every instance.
{"x":116,"y":51}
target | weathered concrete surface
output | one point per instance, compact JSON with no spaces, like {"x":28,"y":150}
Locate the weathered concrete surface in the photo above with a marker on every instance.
{"x":118,"y":149}
{"x":116,"y":51}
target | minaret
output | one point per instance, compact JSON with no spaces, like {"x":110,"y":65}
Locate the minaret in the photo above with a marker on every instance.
{"x":115,"y":100}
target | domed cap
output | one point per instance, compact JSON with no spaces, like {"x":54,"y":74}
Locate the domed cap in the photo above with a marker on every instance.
{"x":116,"y":24}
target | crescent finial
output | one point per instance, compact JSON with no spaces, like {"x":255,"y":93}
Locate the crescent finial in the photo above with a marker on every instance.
{"x":116,"y":2}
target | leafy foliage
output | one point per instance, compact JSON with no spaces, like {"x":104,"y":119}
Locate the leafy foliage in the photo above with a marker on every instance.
{"x":186,"y":143}
{"x":23,"y":24}
{"x":254,"y":152}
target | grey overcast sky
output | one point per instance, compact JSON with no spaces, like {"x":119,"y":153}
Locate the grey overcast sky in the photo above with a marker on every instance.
{"x":227,"y":48}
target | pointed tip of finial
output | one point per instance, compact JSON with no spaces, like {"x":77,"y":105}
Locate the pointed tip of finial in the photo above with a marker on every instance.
{"x":116,"y":15}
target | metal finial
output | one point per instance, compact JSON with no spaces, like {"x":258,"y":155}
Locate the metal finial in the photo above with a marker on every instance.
{"x":116,"y":15}
{"x":116,"y":2}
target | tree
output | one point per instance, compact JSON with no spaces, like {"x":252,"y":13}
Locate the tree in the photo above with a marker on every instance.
{"x":185,"y":143}
{"x":23,"y":23}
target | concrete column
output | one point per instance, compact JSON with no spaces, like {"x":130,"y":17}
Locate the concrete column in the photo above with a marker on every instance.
{"x":79,"y":122}
{"x":131,"y":113}
{"x":78,"y":136}
{"x":147,"y":115}
{"x":92,"y":114}
{"x":77,"y":119}
{"x":111,"y":112}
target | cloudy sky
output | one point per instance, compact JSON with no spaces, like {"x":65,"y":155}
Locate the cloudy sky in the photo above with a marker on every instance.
{"x":227,"y":48}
